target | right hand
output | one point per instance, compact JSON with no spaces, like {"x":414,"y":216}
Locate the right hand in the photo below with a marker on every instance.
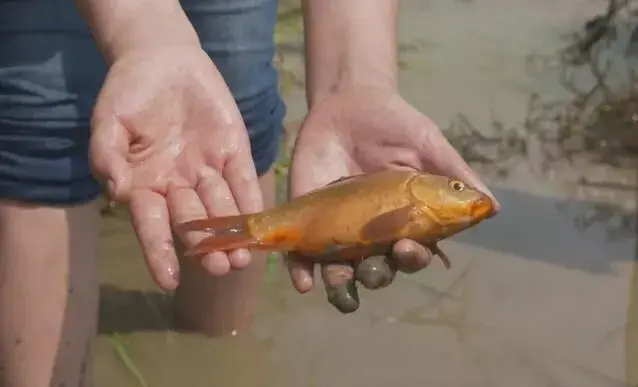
{"x":168,"y":139}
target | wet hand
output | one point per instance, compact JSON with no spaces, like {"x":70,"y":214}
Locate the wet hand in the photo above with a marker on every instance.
{"x":168,"y":139}
{"x":361,"y":131}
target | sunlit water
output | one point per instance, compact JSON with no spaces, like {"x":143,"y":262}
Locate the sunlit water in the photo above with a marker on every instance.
{"x":542,"y":295}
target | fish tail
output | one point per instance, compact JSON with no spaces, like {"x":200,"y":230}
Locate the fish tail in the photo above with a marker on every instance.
{"x":228,"y":233}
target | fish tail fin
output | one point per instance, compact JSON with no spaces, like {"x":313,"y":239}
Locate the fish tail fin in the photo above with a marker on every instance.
{"x":228,"y":233}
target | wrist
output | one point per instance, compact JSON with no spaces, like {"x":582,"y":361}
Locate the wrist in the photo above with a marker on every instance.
{"x":352,"y":76}
{"x":123,"y":26}
{"x":349,"y":44}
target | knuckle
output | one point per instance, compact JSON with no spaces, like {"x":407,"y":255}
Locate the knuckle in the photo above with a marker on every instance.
{"x":337,"y":274}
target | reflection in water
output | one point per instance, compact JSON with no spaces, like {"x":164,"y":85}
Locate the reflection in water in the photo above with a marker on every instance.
{"x":167,"y":359}
{"x":128,"y":311}
{"x":138,"y":339}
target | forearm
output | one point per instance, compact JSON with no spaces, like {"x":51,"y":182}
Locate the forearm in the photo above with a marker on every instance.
{"x":349,"y":43}
{"x":120,"y":26}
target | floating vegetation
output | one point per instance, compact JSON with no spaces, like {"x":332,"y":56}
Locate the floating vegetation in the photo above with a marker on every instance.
{"x":597,"y":122}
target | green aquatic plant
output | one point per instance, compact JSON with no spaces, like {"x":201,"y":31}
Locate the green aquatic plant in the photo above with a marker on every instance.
{"x":281,"y":168}
{"x":289,"y":24}
{"x":271,"y":267}
{"x":122,"y":348}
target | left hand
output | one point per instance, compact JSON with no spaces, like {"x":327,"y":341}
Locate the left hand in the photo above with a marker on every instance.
{"x":360,"y":131}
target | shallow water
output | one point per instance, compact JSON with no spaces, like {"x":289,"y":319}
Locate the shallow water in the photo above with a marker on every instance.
{"x":545,"y":294}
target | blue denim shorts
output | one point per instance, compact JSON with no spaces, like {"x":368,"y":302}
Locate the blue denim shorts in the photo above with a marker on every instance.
{"x":51,"y":73}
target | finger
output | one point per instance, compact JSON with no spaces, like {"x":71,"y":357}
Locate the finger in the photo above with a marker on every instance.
{"x":184,"y":205}
{"x":376,"y":272}
{"x":341,"y":287}
{"x":218,"y":200}
{"x":241,"y":176}
{"x":108,"y":150}
{"x":151,"y":223}
{"x":301,"y":272}
{"x":410,"y":256}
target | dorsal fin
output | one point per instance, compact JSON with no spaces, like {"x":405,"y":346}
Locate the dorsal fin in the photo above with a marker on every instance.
{"x":340,"y":180}
{"x":343,"y":179}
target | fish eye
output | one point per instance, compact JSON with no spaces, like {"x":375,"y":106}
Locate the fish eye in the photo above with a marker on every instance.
{"x":457,"y":185}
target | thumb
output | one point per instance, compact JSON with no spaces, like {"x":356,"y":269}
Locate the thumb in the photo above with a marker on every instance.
{"x":464,"y":172}
{"x":460,"y":169}
{"x":108,"y":150}
{"x":438,"y":154}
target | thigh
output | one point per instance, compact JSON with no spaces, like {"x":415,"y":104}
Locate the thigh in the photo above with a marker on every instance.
{"x":238,"y":36}
{"x":50,"y":74}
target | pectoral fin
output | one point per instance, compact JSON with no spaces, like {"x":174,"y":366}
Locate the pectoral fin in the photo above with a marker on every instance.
{"x":386,"y":226}
{"x":436,"y":250}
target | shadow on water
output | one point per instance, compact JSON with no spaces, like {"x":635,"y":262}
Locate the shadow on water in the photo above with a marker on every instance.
{"x":128,"y":311}
{"x":570,"y":233}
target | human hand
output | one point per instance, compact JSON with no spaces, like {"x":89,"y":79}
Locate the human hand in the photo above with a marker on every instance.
{"x":361,"y":131}
{"x":168,"y":139}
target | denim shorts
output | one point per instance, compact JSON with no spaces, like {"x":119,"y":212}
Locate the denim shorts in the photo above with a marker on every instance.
{"x":51,"y":73}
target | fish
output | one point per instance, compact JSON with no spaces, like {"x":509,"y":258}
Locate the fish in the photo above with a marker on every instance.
{"x":353,"y":217}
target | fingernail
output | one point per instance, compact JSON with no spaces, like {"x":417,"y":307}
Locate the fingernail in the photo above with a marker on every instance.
{"x":173,"y":272}
{"x":374,"y":273}
{"x":344,"y":297}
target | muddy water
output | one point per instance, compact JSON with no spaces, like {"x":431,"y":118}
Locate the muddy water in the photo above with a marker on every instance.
{"x":545,"y":294}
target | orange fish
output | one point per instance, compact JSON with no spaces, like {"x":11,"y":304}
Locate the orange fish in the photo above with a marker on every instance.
{"x":354,"y":217}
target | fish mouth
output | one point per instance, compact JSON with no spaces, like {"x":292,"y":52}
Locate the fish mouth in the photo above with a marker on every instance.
{"x":482,"y":208}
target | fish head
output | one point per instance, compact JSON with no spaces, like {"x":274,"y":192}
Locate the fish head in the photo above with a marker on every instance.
{"x":450,"y":202}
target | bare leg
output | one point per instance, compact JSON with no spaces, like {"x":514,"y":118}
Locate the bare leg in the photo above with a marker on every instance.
{"x":219,"y":305}
{"x":48,"y":294}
